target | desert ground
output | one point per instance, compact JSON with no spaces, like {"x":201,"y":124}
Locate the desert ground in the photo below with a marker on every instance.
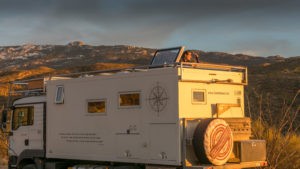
{"x":3,"y":167}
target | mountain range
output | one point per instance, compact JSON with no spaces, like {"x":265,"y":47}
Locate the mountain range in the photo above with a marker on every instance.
{"x":273,"y":74}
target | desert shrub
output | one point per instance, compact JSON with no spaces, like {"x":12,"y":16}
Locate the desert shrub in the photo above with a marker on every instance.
{"x":278,"y":125}
{"x":3,"y":145}
{"x":3,"y":149}
{"x":283,"y":150}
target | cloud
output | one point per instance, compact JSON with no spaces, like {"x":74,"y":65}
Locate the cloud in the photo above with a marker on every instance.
{"x":245,"y":52}
{"x":264,"y":46}
{"x":150,"y":23}
{"x":107,"y":10}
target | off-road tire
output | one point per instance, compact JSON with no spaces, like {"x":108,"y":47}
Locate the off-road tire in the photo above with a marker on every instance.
{"x":29,"y":166}
{"x":213,"y":141}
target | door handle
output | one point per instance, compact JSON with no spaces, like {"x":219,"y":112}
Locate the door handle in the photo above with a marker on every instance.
{"x":26,"y":141}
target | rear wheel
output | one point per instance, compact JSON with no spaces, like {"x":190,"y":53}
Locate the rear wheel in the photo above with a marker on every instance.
{"x":29,"y":166}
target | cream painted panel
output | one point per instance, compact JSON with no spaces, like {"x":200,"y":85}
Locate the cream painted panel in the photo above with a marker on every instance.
{"x":210,"y":75}
{"x":214,"y":94}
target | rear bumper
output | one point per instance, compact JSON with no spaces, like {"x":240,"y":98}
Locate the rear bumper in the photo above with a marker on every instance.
{"x":251,"y":164}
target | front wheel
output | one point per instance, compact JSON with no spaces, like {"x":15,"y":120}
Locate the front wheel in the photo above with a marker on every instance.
{"x":29,"y":166}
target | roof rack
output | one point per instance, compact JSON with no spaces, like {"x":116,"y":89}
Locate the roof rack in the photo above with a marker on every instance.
{"x":37,"y":86}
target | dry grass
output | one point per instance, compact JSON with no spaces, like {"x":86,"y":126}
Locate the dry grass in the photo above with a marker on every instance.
{"x":22,"y":74}
{"x":279,"y":127}
{"x":3,"y":149}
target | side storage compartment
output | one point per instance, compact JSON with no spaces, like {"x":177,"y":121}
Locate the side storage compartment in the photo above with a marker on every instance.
{"x":250,"y":150}
{"x":165,"y":143}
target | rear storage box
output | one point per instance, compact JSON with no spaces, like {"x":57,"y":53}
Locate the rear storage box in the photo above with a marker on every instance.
{"x":240,"y":127}
{"x":250,"y":150}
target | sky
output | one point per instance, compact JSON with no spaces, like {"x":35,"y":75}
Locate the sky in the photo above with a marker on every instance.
{"x":254,"y":27}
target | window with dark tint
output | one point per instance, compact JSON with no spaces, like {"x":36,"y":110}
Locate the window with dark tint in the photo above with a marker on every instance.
{"x":129,"y":99}
{"x":96,"y":106}
{"x":198,"y":96}
{"x":22,"y":116}
{"x":59,"y":97}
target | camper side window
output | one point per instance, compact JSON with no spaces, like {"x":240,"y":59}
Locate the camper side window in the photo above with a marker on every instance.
{"x":129,"y":99}
{"x":59,"y":97}
{"x":198,"y":96}
{"x":96,"y":106}
{"x":22,"y":116}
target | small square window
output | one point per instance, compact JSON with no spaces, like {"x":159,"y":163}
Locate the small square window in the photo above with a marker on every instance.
{"x":198,"y":96}
{"x":129,"y":99}
{"x":22,"y":116}
{"x":59,"y":97}
{"x":96,"y":106}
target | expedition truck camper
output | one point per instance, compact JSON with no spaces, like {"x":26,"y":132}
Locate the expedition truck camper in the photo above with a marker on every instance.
{"x":166,"y":115}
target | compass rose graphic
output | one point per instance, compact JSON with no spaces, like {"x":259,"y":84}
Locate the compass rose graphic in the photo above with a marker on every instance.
{"x":158,"y":98}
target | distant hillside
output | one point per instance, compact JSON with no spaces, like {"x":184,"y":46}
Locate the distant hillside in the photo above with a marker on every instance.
{"x":74,"y":54}
{"x":238,"y":59}
{"x":77,"y":53}
{"x":272,"y":74}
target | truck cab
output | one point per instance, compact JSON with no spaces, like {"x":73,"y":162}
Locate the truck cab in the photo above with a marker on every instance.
{"x":27,"y":129}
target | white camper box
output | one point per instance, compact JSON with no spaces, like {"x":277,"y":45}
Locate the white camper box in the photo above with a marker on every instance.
{"x":145,"y":133}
